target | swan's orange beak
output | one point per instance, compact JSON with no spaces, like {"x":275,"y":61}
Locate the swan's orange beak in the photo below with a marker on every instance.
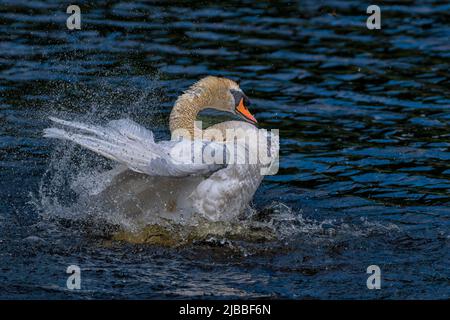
{"x":243,"y":112}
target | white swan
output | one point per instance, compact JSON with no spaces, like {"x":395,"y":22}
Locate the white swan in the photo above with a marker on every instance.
{"x":153,"y":179}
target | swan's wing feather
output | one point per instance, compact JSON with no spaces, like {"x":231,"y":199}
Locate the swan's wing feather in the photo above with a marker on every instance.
{"x":132,"y":130}
{"x":129,"y":143}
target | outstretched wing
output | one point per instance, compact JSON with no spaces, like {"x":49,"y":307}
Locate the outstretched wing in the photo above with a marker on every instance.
{"x":131,"y":144}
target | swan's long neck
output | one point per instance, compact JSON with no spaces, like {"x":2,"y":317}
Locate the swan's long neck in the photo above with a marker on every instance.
{"x":186,"y":108}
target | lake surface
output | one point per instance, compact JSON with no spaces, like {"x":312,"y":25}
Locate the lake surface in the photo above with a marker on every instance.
{"x":364,"y":119}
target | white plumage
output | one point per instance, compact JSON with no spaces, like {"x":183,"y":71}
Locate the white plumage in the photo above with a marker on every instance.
{"x":155,"y":178}
{"x":129,"y":143}
{"x":179,"y":185}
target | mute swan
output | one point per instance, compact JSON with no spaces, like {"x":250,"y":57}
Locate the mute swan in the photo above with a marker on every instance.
{"x":152,"y":180}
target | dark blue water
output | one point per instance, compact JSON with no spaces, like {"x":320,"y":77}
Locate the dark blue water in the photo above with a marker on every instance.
{"x":364,"y":119}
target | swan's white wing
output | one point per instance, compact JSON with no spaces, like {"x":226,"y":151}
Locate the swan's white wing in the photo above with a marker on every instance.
{"x":129,"y":143}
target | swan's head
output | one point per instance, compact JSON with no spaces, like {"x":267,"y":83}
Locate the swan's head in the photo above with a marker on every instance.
{"x":226,"y":95}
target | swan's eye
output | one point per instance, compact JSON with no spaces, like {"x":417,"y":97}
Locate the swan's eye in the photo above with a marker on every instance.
{"x":238,"y":96}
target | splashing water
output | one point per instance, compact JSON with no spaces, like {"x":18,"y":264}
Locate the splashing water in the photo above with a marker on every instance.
{"x":74,"y":174}
{"x":72,"y":188}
